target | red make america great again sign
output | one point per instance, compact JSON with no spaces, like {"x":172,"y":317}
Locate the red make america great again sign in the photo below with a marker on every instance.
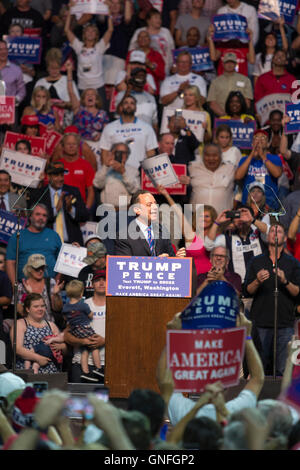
{"x":200,"y":357}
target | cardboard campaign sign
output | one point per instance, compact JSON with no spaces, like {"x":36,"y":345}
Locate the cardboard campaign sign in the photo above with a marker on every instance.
{"x":25,"y":49}
{"x":175,"y":189}
{"x":24,"y":169}
{"x":148,"y":276}
{"x":96,"y":7}
{"x":230,"y":26}
{"x":51,"y":137}
{"x":242,"y":133}
{"x":9,"y":225}
{"x":160,"y":170}
{"x":193,"y":119}
{"x":271,"y":102}
{"x":7,"y":109}
{"x":157,"y":4}
{"x":288,"y":10}
{"x":269,"y":9}
{"x":215,"y":307}
{"x":200,"y":58}
{"x":293,"y":111}
{"x":201,"y":357}
{"x":89,"y":228}
{"x":38,"y":144}
{"x":69,"y":260}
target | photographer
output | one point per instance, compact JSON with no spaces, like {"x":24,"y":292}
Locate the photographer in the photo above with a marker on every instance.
{"x":242,"y":237}
{"x":64,"y":203}
{"x":116,"y":178}
{"x":146,"y":108}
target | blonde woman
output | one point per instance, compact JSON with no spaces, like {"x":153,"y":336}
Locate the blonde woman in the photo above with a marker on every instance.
{"x":41,"y":102}
{"x":192,"y":100}
{"x":90,"y":53}
{"x":90,"y":118}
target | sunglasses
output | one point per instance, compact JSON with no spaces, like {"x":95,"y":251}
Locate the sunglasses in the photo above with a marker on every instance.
{"x":40,"y":268}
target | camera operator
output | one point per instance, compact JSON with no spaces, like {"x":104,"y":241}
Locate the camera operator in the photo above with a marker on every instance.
{"x":242,"y":237}
{"x":146,"y":107}
{"x":116,"y":178}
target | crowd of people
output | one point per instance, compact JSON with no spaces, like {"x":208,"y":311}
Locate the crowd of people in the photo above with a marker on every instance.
{"x":107,"y":93}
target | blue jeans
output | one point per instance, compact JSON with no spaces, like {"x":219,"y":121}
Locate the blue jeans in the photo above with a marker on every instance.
{"x":266,"y":338}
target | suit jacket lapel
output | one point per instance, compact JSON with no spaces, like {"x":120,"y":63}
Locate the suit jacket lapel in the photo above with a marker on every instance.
{"x":143,"y":240}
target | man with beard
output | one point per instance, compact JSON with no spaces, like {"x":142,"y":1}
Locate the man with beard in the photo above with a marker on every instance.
{"x":262,"y":167}
{"x":136,"y":133}
{"x":146,"y":108}
{"x":36,"y":238}
{"x":260,"y":284}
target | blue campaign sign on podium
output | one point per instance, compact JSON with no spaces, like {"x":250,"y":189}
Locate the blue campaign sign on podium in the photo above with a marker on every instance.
{"x":215,"y":307}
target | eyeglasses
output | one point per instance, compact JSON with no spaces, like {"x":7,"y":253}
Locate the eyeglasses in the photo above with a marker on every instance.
{"x":219,"y":256}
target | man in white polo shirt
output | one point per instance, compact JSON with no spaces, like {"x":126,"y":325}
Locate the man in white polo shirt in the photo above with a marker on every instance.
{"x":172,"y":88}
{"x":136,"y":133}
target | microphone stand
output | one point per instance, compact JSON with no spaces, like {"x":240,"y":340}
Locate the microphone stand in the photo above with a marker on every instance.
{"x":15,"y":287}
{"x":276,"y":292}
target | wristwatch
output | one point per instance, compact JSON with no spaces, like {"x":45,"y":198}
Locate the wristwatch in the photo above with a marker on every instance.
{"x":286,"y":283}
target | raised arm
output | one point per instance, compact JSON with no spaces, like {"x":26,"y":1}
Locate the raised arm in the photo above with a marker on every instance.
{"x":67,"y":29}
{"x":188,"y":231}
{"x":256,"y":370}
{"x":293,"y":228}
{"x":108,"y":33}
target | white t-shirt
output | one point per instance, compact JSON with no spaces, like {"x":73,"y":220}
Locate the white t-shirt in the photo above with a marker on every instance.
{"x":90,"y":69}
{"x":98,"y":324}
{"x":139,"y":135}
{"x":232,"y":155}
{"x":245,"y":10}
{"x":179,"y":406}
{"x":259,"y":68}
{"x":172,"y":83}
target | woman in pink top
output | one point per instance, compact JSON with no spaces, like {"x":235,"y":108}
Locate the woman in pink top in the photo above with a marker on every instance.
{"x":194,"y":244}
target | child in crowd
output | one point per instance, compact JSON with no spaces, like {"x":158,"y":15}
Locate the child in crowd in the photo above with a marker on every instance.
{"x":79,"y":316}
{"x":230,"y":153}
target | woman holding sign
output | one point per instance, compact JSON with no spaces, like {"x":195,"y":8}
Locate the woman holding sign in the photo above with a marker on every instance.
{"x":192,"y":101}
{"x":90,"y":53}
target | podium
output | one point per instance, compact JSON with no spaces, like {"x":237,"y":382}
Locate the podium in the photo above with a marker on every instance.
{"x":135,"y":335}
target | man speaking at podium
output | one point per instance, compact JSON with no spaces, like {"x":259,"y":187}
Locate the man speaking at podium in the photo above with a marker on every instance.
{"x":144,"y":236}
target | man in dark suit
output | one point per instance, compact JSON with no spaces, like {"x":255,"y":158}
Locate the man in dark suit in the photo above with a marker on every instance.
{"x":144,"y":236}
{"x":7,"y":197}
{"x":64,"y":203}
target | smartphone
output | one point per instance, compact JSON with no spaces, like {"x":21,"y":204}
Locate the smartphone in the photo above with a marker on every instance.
{"x":233,"y":214}
{"x":80,"y":407}
{"x":178,"y":112}
{"x":40,"y":388}
{"x":118,"y":156}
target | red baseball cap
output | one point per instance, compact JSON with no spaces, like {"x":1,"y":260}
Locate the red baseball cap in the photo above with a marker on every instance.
{"x":71,"y":130}
{"x":261,"y":131}
{"x":30,"y":120}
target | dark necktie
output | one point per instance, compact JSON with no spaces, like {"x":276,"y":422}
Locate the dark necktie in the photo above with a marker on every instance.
{"x":2,"y":203}
{"x":150,"y":240}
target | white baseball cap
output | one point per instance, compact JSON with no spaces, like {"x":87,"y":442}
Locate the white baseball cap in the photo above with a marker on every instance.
{"x":138,"y":56}
{"x":9,"y":383}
